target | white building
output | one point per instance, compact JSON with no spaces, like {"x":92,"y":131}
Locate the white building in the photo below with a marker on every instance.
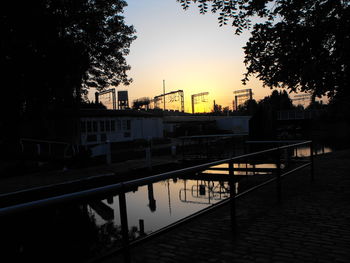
{"x":98,"y":126}
{"x":230,"y":124}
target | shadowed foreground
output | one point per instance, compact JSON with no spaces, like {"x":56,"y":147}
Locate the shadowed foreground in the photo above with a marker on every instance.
{"x":311,"y":224}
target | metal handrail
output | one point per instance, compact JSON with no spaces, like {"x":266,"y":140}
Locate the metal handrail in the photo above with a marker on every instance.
{"x":119,"y":187}
{"x":44,"y":141}
{"x":214,"y":136}
{"x":122,"y":188}
{"x":277,"y":142}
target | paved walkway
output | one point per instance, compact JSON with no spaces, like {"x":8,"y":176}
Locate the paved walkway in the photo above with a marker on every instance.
{"x":311,"y":224}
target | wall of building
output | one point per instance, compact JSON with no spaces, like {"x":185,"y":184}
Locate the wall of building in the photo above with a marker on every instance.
{"x":234,"y":124}
{"x":96,"y":130}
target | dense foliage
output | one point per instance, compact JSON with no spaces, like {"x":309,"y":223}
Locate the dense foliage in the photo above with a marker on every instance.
{"x":301,"y":45}
{"x":52,"y":51}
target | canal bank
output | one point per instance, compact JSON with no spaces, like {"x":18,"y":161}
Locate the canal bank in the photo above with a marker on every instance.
{"x":311,"y":224}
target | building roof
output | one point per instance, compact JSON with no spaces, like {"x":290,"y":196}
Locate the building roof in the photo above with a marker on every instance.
{"x":116,"y":113}
{"x":194,"y":118}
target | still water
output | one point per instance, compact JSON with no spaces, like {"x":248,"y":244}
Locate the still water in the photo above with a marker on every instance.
{"x":165,"y":202}
{"x":305,"y":151}
{"x":162,"y":203}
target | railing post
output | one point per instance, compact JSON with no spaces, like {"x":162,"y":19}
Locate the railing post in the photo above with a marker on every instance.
{"x":124,"y":226}
{"x":183,"y":149}
{"x":312,"y":161}
{"x":232,"y":183}
{"x":278,"y":175}
{"x":207,"y":148}
{"x":233,"y":148}
{"x":142,"y":227}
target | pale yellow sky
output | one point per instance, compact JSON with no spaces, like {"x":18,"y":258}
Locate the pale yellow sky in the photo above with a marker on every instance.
{"x":187,"y":50}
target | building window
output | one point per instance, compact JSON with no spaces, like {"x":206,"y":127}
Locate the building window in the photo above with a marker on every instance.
{"x":113,"y":125}
{"x":119,"y":125}
{"x":108,"y":125}
{"x":127,"y":134}
{"x":102,"y":126}
{"x":89,"y":127}
{"x":94,"y":126}
{"x":91,"y":138}
{"x":103,"y":137}
{"x":82,"y":126}
{"x":126,"y":125}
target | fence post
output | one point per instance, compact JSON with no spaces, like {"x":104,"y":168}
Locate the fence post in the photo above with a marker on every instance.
{"x":207,"y":148}
{"x":124,"y":226}
{"x":312,"y":161}
{"x":142,"y":227}
{"x":278,"y":175}
{"x":232,"y":148}
{"x":232,"y":183}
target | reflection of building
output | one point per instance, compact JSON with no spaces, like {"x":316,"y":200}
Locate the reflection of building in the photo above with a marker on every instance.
{"x":152,"y":201}
{"x":204,"y":192}
{"x":98,"y":126}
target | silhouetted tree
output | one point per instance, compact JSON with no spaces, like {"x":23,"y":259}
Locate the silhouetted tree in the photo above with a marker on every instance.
{"x":263,"y":123}
{"x":53,"y":51}
{"x":278,"y":100}
{"x":249,"y":107}
{"x":92,"y":105}
{"x":300,"y":45}
{"x":217,"y":108}
{"x":141,"y":103}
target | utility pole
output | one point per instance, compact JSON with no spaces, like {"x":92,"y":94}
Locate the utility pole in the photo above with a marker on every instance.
{"x":164,"y":93}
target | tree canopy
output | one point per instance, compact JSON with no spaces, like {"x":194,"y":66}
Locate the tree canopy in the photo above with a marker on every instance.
{"x":301,"y":45}
{"x":52,"y":51}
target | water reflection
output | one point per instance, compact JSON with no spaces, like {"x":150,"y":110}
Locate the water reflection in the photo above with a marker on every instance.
{"x":165,"y":202}
{"x":305,"y":150}
{"x":80,"y":231}
{"x":152,"y":202}
{"x":154,"y":206}
{"x":204,"y":192}
{"x":241,"y":169}
{"x":103,"y":210}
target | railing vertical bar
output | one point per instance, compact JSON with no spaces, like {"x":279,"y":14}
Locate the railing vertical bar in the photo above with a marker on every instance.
{"x":232,"y":183}
{"x":278,"y":175}
{"x":312,"y":161}
{"x":183,"y":149}
{"x":124,"y":226}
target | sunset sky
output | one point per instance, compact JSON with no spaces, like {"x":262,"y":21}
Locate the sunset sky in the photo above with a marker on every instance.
{"x":187,"y":50}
